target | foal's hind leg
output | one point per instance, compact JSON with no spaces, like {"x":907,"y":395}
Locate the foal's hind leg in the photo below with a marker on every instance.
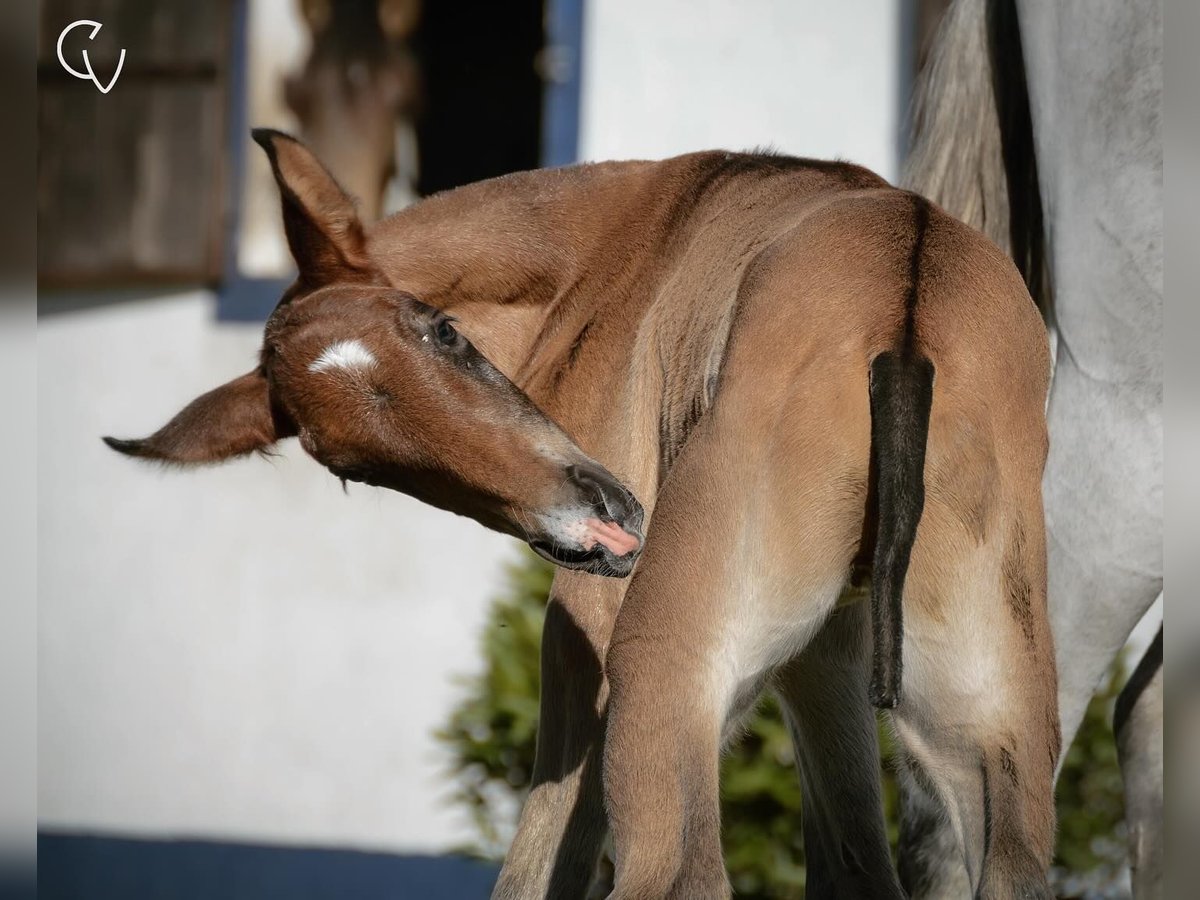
{"x":824,"y":692}
{"x":978,"y":717}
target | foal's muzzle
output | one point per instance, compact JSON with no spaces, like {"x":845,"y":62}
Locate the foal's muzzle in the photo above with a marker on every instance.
{"x":604,"y":535}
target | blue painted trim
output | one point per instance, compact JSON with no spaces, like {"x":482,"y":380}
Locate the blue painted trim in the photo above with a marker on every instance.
{"x":239,"y":297}
{"x":89,"y":867}
{"x":18,"y":883}
{"x":560,"y":106}
{"x":243,"y":299}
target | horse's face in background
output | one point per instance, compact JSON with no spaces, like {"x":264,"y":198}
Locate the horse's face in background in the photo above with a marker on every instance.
{"x":358,"y":81}
{"x":382,"y":389}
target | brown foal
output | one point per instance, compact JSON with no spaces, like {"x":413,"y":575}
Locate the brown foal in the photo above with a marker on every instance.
{"x":806,"y":376}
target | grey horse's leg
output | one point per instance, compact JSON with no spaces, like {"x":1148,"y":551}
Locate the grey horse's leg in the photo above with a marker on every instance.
{"x":824,"y":695}
{"x":1138,"y":724}
{"x":1101,"y":183}
{"x":1101,"y":186}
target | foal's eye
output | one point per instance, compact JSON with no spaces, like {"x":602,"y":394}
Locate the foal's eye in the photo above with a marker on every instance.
{"x":445,"y":332}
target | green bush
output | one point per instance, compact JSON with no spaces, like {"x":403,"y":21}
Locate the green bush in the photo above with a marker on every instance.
{"x":492,"y":731}
{"x":491,"y":735}
{"x":1091,"y":806}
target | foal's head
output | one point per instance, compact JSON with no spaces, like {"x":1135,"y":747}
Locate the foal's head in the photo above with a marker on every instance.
{"x":382,"y":389}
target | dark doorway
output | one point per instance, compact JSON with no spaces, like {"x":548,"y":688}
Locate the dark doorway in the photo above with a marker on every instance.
{"x":482,"y":113}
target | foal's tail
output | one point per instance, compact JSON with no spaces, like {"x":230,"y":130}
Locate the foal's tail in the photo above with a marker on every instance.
{"x":972,"y":146}
{"x":901,"y":396}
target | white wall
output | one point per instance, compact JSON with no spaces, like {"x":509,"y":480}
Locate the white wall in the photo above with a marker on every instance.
{"x":807,"y":77}
{"x":241,"y":652}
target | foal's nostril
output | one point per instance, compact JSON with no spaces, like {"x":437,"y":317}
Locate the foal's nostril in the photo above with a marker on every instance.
{"x":605,"y":494}
{"x":590,"y":486}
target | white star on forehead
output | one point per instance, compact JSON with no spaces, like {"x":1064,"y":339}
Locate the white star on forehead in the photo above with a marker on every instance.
{"x":352,"y":356}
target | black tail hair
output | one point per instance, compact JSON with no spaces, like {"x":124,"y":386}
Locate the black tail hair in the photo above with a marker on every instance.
{"x":1151,"y":662}
{"x":901,"y":396}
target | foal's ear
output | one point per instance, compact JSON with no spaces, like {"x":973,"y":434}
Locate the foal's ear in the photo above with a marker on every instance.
{"x":319,"y":218}
{"x":235,"y":419}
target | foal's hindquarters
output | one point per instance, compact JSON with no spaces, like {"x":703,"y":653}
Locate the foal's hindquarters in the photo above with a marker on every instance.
{"x":757,"y":526}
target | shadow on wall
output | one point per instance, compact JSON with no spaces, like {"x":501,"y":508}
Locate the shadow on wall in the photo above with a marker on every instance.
{"x":80,"y":867}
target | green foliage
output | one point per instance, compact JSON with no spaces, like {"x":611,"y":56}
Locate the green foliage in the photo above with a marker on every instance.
{"x":491,"y":735}
{"x":760,"y":810}
{"x":1091,"y":806}
{"x":492,"y":732}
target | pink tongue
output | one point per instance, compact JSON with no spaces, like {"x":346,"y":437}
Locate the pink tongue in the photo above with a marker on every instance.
{"x":611,"y":535}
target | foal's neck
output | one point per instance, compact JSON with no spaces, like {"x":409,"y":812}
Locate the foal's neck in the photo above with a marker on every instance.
{"x":606,"y":292}
{"x":502,"y":255}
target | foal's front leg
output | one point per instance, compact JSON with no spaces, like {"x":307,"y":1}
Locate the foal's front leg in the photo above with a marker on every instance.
{"x":563,"y":825}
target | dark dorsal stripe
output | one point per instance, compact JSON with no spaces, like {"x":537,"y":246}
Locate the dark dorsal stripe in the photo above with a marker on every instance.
{"x":719,"y":168}
{"x":920,"y":228}
{"x":710,"y":171}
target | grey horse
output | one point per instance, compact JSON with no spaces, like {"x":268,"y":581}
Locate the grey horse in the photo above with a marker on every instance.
{"x":1059,"y":160}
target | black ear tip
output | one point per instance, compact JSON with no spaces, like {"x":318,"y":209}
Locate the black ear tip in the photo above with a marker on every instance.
{"x":129,"y":448}
{"x":265,"y":137}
